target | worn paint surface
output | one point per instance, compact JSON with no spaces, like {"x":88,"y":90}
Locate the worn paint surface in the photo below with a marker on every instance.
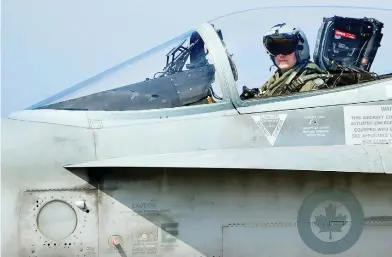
{"x":227,"y":212}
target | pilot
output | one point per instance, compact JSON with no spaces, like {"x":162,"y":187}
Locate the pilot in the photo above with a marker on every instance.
{"x":288,"y":49}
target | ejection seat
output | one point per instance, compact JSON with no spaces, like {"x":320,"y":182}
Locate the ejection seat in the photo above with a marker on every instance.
{"x":346,"y":48}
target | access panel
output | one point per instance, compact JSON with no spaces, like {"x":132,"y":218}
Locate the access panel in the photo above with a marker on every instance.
{"x":58,"y":223}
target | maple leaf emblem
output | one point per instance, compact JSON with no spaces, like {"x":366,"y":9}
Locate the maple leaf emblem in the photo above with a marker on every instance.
{"x":330,"y":222}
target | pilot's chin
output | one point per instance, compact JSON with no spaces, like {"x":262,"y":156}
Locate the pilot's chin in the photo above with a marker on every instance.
{"x":284,"y":66}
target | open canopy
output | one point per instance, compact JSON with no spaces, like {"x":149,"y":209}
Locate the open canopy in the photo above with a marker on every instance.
{"x":212,"y":63}
{"x":174,"y":74}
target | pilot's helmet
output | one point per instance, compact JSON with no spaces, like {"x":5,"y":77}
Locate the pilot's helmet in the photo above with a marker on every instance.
{"x":284,"y":39}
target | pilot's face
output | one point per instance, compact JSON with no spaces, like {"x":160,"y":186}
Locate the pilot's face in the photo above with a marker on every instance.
{"x":285,"y":62}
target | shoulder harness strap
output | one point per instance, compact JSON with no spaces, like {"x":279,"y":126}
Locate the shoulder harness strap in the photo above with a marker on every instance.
{"x":289,"y":80}
{"x":294,"y":85}
{"x":303,"y":79}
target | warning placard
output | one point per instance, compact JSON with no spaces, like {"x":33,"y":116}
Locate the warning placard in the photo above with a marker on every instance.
{"x":370,"y":124}
{"x":345,"y":34}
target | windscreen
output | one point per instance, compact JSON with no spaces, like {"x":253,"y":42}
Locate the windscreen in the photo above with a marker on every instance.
{"x":175,"y":74}
{"x":346,"y":39}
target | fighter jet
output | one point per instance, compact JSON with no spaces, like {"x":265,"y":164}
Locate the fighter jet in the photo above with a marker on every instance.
{"x":162,"y":156}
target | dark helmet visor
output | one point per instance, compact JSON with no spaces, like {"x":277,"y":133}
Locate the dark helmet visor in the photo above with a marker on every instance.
{"x":280,"y":45}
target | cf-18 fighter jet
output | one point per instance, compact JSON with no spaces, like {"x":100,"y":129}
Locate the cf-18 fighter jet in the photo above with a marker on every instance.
{"x":168,"y":155}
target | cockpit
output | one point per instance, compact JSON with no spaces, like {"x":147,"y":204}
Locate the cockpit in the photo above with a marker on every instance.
{"x":213,"y":63}
{"x":178,"y":73}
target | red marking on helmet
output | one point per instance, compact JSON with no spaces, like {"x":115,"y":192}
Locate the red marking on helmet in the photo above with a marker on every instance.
{"x":345,"y":34}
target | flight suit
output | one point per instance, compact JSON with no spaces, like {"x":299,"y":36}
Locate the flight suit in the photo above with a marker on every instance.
{"x":302,"y":78}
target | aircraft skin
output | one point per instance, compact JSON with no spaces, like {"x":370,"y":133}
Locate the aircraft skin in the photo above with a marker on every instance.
{"x":215,"y":176}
